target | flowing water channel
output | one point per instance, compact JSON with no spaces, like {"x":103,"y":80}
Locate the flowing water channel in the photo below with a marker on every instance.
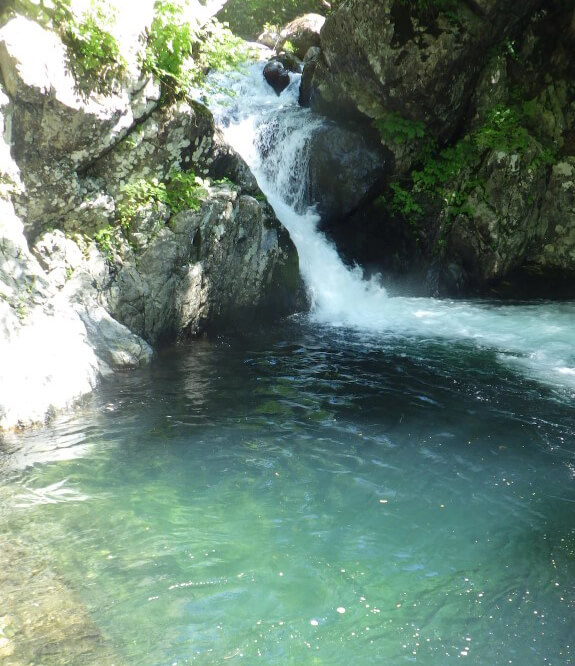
{"x":381,"y":481}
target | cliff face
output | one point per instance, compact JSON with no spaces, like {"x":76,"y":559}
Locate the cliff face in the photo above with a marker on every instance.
{"x":125,"y":222}
{"x":476,"y":100}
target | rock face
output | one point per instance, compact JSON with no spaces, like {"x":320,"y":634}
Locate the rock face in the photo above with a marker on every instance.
{"x":221,"y":263}
{"x":52,"y":350}
{"x":385,"y":56}
{"x":344,"y":166}
{"x":44,"y":99}
{"x":557,"y":215}
{"x":83,"y":288}
{"x":477,"y":106}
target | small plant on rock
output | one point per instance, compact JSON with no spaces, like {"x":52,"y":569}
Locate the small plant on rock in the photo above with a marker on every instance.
{"x":182,"y":190}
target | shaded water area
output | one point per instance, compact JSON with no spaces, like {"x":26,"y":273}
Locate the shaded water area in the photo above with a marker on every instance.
{"x":302,"y":495}
{"x":383,"y":480}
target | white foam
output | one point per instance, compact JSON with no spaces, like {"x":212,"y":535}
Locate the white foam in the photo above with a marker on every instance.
{"x":272,"y":134}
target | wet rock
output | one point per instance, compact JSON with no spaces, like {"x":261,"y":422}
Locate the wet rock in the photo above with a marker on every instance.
{"x":306,"y":83}
{"x":290,"y":61}
{"x":502,"y":220}
{"x":558,"y":215}
{"x":277,"y":76}
{"x":269,"y":38}
{"x":344,"y":165}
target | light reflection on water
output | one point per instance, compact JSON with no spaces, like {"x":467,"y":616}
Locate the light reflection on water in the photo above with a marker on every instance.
{"x":230,"y":501}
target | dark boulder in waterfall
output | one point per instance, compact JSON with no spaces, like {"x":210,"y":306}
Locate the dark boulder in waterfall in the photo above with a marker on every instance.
{"x":277,"y":76}
{"x":344,"y":167}
{"x":290,"y":61}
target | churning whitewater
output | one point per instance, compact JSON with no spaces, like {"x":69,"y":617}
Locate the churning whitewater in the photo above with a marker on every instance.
{"x":272,"y":133}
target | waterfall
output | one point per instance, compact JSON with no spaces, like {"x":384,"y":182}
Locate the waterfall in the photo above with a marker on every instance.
{"x":272,"y":133}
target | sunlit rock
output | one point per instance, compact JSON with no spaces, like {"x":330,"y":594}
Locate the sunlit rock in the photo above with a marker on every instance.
{"x":44,"y":99}
{"x":302,"y":34}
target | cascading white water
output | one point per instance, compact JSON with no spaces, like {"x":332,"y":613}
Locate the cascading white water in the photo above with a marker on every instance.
{"x":272,"y":134}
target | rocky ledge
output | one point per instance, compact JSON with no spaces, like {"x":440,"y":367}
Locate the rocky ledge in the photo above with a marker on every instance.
{"x":97,"y":264}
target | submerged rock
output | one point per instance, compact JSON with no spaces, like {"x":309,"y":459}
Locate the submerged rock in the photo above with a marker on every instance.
{"x":43,"y":620}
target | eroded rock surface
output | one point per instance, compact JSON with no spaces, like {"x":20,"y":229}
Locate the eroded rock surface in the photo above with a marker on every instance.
{"x":84,"y":290}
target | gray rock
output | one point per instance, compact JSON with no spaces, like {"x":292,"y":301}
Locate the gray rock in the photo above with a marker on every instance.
{"x":344,"y":165}
{"x":378,"y":56}
{"x":557,"y":250}
{"x":504,"y":221}
{"x":302,"y":33}
{"x":217,"y":264}
{"x":52,"y":352}
{"x":43,"y":99}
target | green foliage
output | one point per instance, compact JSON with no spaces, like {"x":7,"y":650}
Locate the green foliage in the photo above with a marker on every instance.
{"x":7,"y":185}
{"x":107,"y":240}
{"x":403,"y":201}
{"x":446,"y":174}
{"x":248,"y":18}
{"x":218,"y":48}
{"x":93,"y":52}
{"x":168,"y":47}
{"x":179,"y":54}
{"x":503,"y":131}
{"x":394,"y":128}
{"x":182,"y":190}
{"x":431,"y":7}
{"x":288,"y":47}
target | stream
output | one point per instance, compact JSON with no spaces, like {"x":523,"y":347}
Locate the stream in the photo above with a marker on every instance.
{"x":383,"y":480}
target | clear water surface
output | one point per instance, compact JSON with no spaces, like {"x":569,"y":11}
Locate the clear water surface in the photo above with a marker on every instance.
{"x":307,"y":495}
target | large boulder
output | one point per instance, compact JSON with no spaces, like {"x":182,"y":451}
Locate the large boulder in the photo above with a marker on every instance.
{"x":276,"y":74}
{"x":220,"y":263}
{"x":44,"y":98}
{"x":302,"y":34}
{"x":344,"y":166}
{"x":381,"y":56}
